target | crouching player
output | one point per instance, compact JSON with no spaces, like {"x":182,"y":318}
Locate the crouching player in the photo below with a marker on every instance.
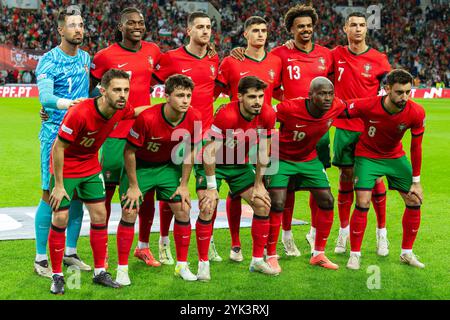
{"x":379,"y":152}
{"x":149,"y":165}
{"x":75,"y":167}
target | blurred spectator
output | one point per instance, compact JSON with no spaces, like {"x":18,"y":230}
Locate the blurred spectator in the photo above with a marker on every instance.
{"x":412,"y":39}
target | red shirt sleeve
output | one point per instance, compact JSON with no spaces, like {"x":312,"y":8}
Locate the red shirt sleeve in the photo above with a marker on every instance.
{"x":220,"y":124}
{"x":99,"y":65}
{"x":418,"y":125}
{"x":223,"y":74}
{"x":136,"y":136}
{"x":71,"y":126}
{"x":354,"y":109}
{"x":164,"y":68}
{"x":269,"y":120}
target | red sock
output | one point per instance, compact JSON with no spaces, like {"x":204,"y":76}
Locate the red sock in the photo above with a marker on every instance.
{"x":234,"y":212}
{"x":411,"y":223}
{"x":182,"y":236}
{"x":324,"y":221}
{"x":125,"y":236}
{"x":345,"y":201}
{"x":274,"y":232}
{"x":99,"y":241}
{"x":313,"y":206}
{"x":110,"y":189}
{"x":260,"y":234}
{"x":56,"y":245}
{"x":288,"y":211}
{"x":146,"y":215}
{"x":203,"y":232}
{"x":379,"y":203}
{"x":165,"y":218}
{"x":358,"y":227}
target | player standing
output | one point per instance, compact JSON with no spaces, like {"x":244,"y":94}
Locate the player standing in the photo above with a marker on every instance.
{"x":379,"y":152}
{"x":267,"y":67}
{"x":302,"y":62}
{"x":75,"y":168}
{"x":358,"y":71}
{"x":138,"y":58}
{"x":237,"y":127}
{"x":63,"y":79}
{"x":195,"y":61}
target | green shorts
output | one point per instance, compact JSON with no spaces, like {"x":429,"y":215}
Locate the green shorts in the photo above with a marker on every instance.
{"x":344,"y":147}
{"x":111,"y":159}
{"x":88,"y":189}
{"x":239,"y":177}
{"x":306,"y":175}
{"x":323,"y":150}
{"x":165,"y":178}
{"x":397,"y":171}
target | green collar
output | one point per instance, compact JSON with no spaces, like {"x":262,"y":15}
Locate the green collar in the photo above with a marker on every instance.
{"x":167,"y":120}
{"x":194,"y":55}
{"x":128,"y":49}
{"x":307,"y":52}
{"x":358,"y":54}
{"x":253,"y":59}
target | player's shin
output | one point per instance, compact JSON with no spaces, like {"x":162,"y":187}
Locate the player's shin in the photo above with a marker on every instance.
{"x":324,"y":221}
{"x":56,"y":243}
{"x":74,"y":225}
{"x":379,"y":203}
{"x":125,"y":236}
{"x":146,"y":216}
{"x":345,"y":201}
{"x":182,"y":236}
{"x":358,"y":225}
{"x":274,"y":231}
{"x":42,"y":225}
{"x":411,"y":224}
{"x":203,"y":232}
{"x":99,"y":240}
{"x":234,"y":211}
{"x":260,"y":234}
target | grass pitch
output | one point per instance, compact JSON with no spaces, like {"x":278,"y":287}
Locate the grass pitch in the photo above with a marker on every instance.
{"x":379,"y":278}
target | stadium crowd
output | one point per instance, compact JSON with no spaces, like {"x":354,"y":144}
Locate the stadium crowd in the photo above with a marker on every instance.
{"x":411,"y":38}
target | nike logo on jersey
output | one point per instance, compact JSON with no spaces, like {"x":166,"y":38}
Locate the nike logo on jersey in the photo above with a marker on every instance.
{"x":300,"y":126}
{"x":156,"y":138}
{"x":341,"y":62}
{"x":243,"y":73}
{"x":290,"y":60}
{"x":91,"y":133}
{"x":373,"y":121}
{"x":122,"y":65}
{"x":186,"y":70}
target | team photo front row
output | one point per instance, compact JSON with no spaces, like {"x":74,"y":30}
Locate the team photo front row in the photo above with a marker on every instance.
{"x":261,"y":163}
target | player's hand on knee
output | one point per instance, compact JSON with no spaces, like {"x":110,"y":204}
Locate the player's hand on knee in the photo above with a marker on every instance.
{"x":57,"y":195}
{"x":260,"y":192}
{"x":133,"y":198}
{"x":238,"y":53}
{"x":209,"y":201}
{"x":183,"y":192}
{"x":416,"y":192}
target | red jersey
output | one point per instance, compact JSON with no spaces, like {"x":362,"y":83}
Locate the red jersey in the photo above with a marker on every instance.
{"x":202,"y":71}
{"x":301,"y":67}
{"x":86,"y":128}
{"x":239,"y":134}
{"x":138,"y":64}
{"x":300,"y":131}
{"x":268,"y":70}
{"x":155,"y":137}
{"x":357,"y":76}
{"x":383,"y":131}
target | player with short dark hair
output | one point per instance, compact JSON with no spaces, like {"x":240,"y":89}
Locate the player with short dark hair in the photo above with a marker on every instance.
{"x":379,"y":152}
{"x":198,"y":61}
{"x":150,"y":166}
{"x":75,"y":168}
{"x":139,"y":59}
{"x":358,"y":71}
{"x":267,"y":67}
{"x":63,"y":81}
{"x":237,"y":127}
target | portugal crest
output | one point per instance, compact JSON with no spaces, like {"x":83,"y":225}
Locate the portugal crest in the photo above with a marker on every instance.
{"x":401,"y":127}
{"x":150,"y":60}
{"x":18,"y":57}
{"x":322,"y":63}
{"x":272,"y":74}
{"x":213,"y":70}
{"x":367,"y":68}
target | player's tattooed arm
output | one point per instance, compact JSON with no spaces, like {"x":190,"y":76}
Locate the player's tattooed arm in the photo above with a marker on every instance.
{"x":58,"y":192}
{"x":134,"y":195}
{"x":238,"y":53}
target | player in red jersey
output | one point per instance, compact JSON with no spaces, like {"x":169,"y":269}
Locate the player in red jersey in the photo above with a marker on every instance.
{"x":197,"y":61}
{"x":237,"y":127}
{"x":265,"y":66}
{"x":150,"y":164}
{"x":379,"y":152}
{"x":358,"y":71}
{"x":75,"y":167}
{"x":138,"y":58}
{"x":303,"y":122}
{"x":303,"y":60}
